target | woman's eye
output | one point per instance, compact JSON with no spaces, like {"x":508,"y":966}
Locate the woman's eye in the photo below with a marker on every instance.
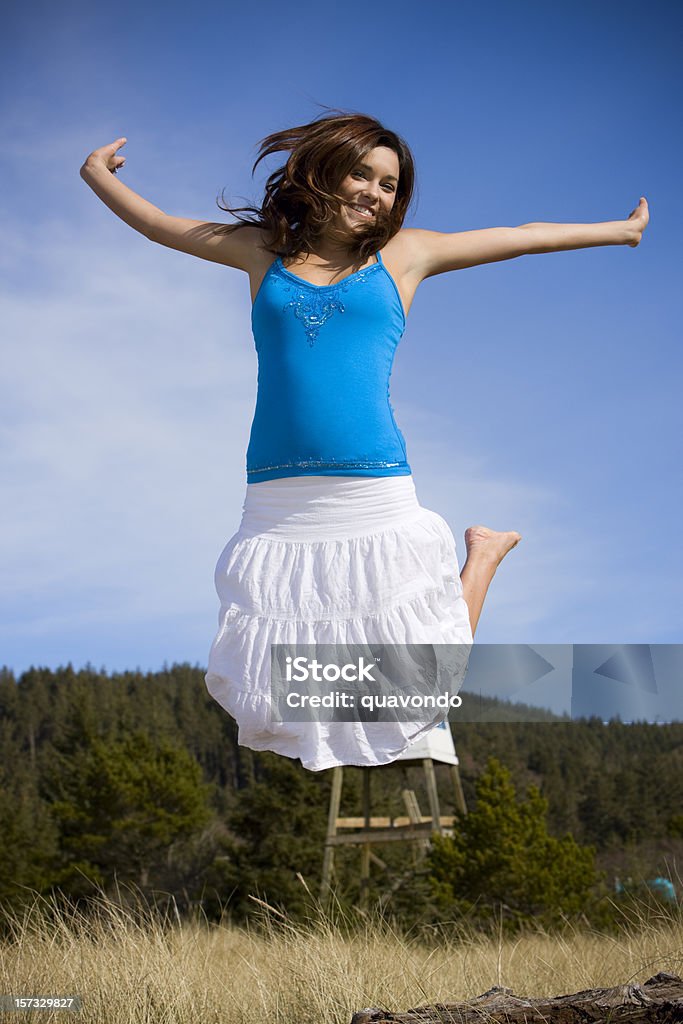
{"x":361,"y":174}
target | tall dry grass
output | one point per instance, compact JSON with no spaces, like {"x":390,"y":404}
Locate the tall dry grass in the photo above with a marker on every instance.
{"x":131,"y":964}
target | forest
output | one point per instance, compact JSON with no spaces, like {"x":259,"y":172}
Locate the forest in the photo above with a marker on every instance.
{"x":137,"y":779}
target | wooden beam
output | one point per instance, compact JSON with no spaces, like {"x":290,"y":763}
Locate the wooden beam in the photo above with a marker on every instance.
{"x":333,"y":814}
{"x":413,"y":809}
{"x":457,"y":786}
{"x":432,"y":794}
{"x":415,"y":833}
{"x":445,"y":819}
{"x":365,"y":848}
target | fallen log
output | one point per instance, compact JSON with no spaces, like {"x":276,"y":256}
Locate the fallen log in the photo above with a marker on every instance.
{"x":657,"y":1001}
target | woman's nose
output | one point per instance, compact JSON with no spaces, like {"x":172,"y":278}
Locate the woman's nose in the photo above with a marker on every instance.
{"x":371,"y":193}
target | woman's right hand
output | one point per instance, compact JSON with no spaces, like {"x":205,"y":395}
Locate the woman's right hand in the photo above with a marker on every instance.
{"x":107,"y":155}
{"x":243,"y":249}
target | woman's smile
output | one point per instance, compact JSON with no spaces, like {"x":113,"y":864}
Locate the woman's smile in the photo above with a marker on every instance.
{"x":361,"y":211}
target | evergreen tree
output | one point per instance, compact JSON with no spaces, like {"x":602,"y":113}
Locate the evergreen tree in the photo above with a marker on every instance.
{"x":279,"y":822}
{"x":28,"y":839}
{"x":501,"y":859}
{"x":120,"y":805}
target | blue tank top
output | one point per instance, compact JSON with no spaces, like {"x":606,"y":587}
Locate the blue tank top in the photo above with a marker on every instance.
{"x":325,"y":354}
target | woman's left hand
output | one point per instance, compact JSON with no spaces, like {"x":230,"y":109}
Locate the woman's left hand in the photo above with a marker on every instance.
{"x":638,"y":220}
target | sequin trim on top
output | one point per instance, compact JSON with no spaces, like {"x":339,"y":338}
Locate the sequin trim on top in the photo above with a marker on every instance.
{"x":314,"y":304}
{"x":327,"y":464}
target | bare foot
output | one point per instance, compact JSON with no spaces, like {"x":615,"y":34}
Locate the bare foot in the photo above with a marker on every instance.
{"x":490,"y":545}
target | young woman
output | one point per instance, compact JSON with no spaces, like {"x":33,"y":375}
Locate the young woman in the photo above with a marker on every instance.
{"x":333,"y":546}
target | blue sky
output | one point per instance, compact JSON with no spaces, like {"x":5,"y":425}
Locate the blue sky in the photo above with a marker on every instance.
{"x":538,"y":394}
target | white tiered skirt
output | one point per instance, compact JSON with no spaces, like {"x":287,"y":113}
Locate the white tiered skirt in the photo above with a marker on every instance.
{"x":330,"y":560}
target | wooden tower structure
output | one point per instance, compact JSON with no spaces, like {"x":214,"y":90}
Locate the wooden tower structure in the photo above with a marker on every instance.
{"x":368,"y":831}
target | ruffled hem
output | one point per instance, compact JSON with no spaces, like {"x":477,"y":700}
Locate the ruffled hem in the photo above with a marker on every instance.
{"x":396,"y":585}
{"x":321,"y":745}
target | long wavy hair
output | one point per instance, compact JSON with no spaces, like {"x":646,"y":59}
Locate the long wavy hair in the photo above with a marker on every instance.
{"x":301,"y":197}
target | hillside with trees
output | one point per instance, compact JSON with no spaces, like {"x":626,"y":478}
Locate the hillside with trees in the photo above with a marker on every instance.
{"x":138,"y":778}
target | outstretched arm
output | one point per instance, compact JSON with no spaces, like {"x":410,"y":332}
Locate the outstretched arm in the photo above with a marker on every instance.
{"x":432,"y":252}
{"x":204,"y":239}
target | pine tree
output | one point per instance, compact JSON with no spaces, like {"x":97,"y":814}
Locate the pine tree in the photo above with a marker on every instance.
{"x":279,"y":826}
{"x":120,"y":806}
{"x":501,"y":859}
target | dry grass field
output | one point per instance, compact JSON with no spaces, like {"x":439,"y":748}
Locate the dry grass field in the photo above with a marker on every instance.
{"x":132,"y":966}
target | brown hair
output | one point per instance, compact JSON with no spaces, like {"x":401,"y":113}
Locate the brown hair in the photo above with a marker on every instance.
{"x":300,"y":197}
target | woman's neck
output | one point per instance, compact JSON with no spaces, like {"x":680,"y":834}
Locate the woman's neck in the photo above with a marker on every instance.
{"x":331,"y":250}
{"x":328,"y":254}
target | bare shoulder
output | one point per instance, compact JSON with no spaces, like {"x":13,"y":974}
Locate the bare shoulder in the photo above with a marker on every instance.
{"x":241,"y":245}
{"x":409,"y":254}
{"x":402,"y":258}
{"x":253,"y":250}
{"x":402,"y":249}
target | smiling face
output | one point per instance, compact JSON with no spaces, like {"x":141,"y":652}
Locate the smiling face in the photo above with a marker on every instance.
{"x":369,"y":188}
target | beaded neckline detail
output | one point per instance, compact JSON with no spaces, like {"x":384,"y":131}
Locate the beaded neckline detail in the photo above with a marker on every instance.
{"x":314,"y":304}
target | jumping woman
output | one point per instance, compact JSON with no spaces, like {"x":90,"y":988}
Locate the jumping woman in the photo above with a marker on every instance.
{"x":333,"y":545}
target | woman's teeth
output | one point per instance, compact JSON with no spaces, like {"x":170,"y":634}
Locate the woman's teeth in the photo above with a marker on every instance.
{"x":362,"y":210}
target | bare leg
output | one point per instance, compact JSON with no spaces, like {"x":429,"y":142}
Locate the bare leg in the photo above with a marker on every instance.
{"x":486,"y":549}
